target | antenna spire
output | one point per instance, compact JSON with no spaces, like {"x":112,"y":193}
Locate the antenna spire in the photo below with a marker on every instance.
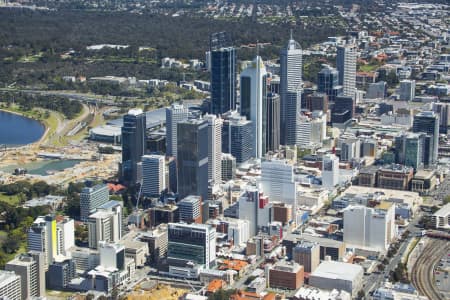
{"x":257,"y":47}
{"x":291,"y":33}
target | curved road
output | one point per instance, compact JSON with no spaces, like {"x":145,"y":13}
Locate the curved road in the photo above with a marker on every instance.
{"x":422,"y":276}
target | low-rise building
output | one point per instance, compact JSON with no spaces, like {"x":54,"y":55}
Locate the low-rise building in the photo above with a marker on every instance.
{"x":441,"y":218}
{"x":338,"y":275}
{"x":286,"y":274}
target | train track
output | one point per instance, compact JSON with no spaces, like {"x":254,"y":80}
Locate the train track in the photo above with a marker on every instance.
{"x":422,"y":271}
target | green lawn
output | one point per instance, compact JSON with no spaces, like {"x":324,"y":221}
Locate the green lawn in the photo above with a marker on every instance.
{"x":13,"y":200}
{"x":368,"y":68}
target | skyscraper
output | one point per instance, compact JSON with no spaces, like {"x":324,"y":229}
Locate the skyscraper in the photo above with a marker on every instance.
{"x":190,"y":209}
{"x":273,"y":122}
{"x":277,"y":181}
{"x":153,"y":175}
{"x":330,"y":171}
{"x":443,"y":110}
{"x":91,"y":198}
{"x":133,"y":145}
{"x":290,"y":90}
{"x":328,"y":82}
{"x":174,"y":114}
{"x":214,"y":148}
{"x":237,"y":136}
{"x":223,"y":74}
{"x":30,"y":267}
{"x":191,"y":243}
{"x":428,"y":122}
{"x":346,"y":65}
{"x":254,"y":103}
{"x":407,"y":90}
{"x":192,"y":156}
{"x":42,"y":238}
{"x":10,"y":285}
{"x":105,"y":224}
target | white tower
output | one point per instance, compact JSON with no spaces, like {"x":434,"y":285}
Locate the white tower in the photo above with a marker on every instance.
{"x":346,"y":65}
{"x":330,"y":170}
{"x":214,"y":148}
{"x":153,"y":175}
{"x":253,"y":101}
{"x":175,"y":114}
{"x":290,"y":90}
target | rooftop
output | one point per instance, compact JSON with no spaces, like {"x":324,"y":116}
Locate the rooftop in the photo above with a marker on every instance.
{"x":338,"y":270}
{"x":443,"y":212}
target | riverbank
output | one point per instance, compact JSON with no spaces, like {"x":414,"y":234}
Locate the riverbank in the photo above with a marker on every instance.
{"x":51,"y":123}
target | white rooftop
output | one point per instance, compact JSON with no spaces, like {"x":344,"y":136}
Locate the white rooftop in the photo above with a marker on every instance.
{"x":338,"y":270}
{"x":443,"y":212}
{"x":135,"y":111}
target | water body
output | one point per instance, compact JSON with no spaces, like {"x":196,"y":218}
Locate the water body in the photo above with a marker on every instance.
{"x":45,"y":167}
{"x":16,"y":130}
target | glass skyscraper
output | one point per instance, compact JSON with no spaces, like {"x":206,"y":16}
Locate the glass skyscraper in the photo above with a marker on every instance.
{"x":192,"y":157}
{"x":223,"y":80}
{"x":428,"y":122}
{"x":133,"y":145}
{"x":290,"y":91}
{"x":237,"y":136}
{"x":346,"y":66}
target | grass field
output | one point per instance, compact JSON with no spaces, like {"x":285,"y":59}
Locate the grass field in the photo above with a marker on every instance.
{"x":13,"y":200}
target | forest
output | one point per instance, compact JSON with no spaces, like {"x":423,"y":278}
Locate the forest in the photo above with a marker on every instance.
{"x":34,"y":44}
{"x":70,"y":108}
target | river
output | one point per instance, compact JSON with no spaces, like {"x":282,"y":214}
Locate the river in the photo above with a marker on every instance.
{"x":16,"y":130}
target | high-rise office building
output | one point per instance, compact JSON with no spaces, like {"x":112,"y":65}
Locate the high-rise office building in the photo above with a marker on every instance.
{"x":105,"y":224}
{"x":214,"y":148}
{"x":292,"y":110}
{"x":277,"y":182}
{"x":346,"y":66}
{"x":273,"y":122}
{"x":317,"y":101}
{"x":330,"y":170}
{"x":307,"y":254}
{"x":42,"y":237}
{"x":428,"y":122}
{"x":30,"y":267}
{"x":344,"y":103}
{"x":223,"y":74}
{"x":190,"y":209}
{"x":311,"y":129}
{"x":65,"y":235}
{"x":254,"y":103}
{"x":10,"y":285}
{"x":407,"y":90}
{"x":443,"y":111}
{"x":174,"y":114}
{"x":133,"y":145}
{"x":192,"y":158}
{"x":91,"y":198}
{"x":328,"y":82}
{"x":254,"y":207}
{"x":237,"y":136}
{"x":290,"y":90}
{"x":60,"y":274}
{"x":191,"y":243}
{"x":410,"y":149}
{"x":112,"y":255}
{"x":228,"y":166}
{"x":370,"y":227}
{"x":377,"y":90}
{"x":350,"y":149}
{"x":153,"y":175}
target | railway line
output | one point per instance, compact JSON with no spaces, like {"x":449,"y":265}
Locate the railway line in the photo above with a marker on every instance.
{"x":422,"y":271}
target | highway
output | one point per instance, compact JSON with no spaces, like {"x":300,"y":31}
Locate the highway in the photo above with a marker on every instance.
{"x":422,"y":276}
